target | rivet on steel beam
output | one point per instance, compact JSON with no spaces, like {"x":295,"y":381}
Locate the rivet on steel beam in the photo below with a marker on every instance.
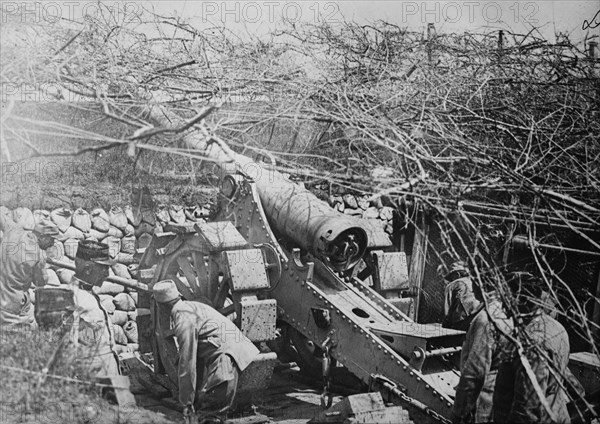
{"x":411,"y":373}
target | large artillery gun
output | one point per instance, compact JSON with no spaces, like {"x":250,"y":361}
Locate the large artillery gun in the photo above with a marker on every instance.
{"x":278,"y":260}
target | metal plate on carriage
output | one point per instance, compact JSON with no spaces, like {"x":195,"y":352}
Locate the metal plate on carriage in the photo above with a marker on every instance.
{"x":392,"y":270}
{"x":257,"y":319}
{"x":246,"y":269}
{"x":220,"y":235}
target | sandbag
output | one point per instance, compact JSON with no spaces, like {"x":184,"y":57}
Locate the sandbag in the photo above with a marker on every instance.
{"x":119,"y":317}
{"x":133,"y":270}
{"x":162,"y":214}
{"x":121,"y":270}
{"x":117,"y":217}
{"x":115,"y":232}
{"x":128,"y":211}
{"x":81,"y":220}
{"x":134,"y":296}
{"x":386,"y":213}
{"x":109,"y":288}
{"x":41,"y":214}
{"x":56,"y":251}
{"x":62,"y":218}
{"x":131,"y":331}
{"x":177,"y":214}
{"x":53,"y":279}
{"x":64,"y":259}
{"x":129,"y":230}
{"x":64,"y":275}
{"x":133,"y":347}
{"x":350,"y":201}
{"x":71,"y":233}
{"x":6,"y":218}
{"x":70,"y":247}
{"x":120,"y":337}
{"x":371,"y":213}
{"x":124,"y":302}
{"x":128,"y":244}
{"x":158,"y":228}
{"x":100,"y":220}
{"x":132,"y":315}
{"x":98,"y":235}
{"x":23,"y":217}
{"x":126,"y":258}
{"x":106,"y":300}
{"x":114,"y":245}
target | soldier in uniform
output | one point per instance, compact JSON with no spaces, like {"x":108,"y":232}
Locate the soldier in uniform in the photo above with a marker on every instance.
{"x":23,"y":264}
{"x":481,"y":355}
{"x":545,"y":345}
{"x":212,"y":354}
{"x":460,"y":304}
{"x":91,"y":324}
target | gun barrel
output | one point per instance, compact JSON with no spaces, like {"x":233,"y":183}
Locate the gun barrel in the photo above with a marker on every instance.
{"x":337,"y":239}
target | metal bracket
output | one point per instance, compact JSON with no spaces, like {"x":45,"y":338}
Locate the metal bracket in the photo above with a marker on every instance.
{"x":321,"y":316}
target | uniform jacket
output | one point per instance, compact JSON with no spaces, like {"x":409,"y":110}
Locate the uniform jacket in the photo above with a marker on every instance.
{"x":546,"y":346}
{"x":480,"y":358}
{"x":460,"y":304}
{"x":204,"y":333}
{"x":23,"y":263}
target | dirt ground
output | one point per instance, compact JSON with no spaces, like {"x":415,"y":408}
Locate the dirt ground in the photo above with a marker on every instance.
{"x":290,"y":399}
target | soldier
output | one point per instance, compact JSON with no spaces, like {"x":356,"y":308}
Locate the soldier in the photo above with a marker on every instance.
{"x":23,"y":263}
{"x":91,"y":325}
{"x":460,"y":304}
{"x":545,"y":346}
{"x":212,"y":354}
{"x":480,"y":358}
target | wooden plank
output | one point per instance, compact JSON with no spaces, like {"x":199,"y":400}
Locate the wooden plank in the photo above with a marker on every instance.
{"x":188,"y":272}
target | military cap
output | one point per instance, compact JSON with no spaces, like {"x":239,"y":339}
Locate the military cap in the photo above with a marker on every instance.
{"x":165,"y":291}
{"x":94,"y":251}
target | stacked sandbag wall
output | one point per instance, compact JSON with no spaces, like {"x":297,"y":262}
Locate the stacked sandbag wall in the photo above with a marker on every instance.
{"x":125,"y":230}
{"x":363,"y":207}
